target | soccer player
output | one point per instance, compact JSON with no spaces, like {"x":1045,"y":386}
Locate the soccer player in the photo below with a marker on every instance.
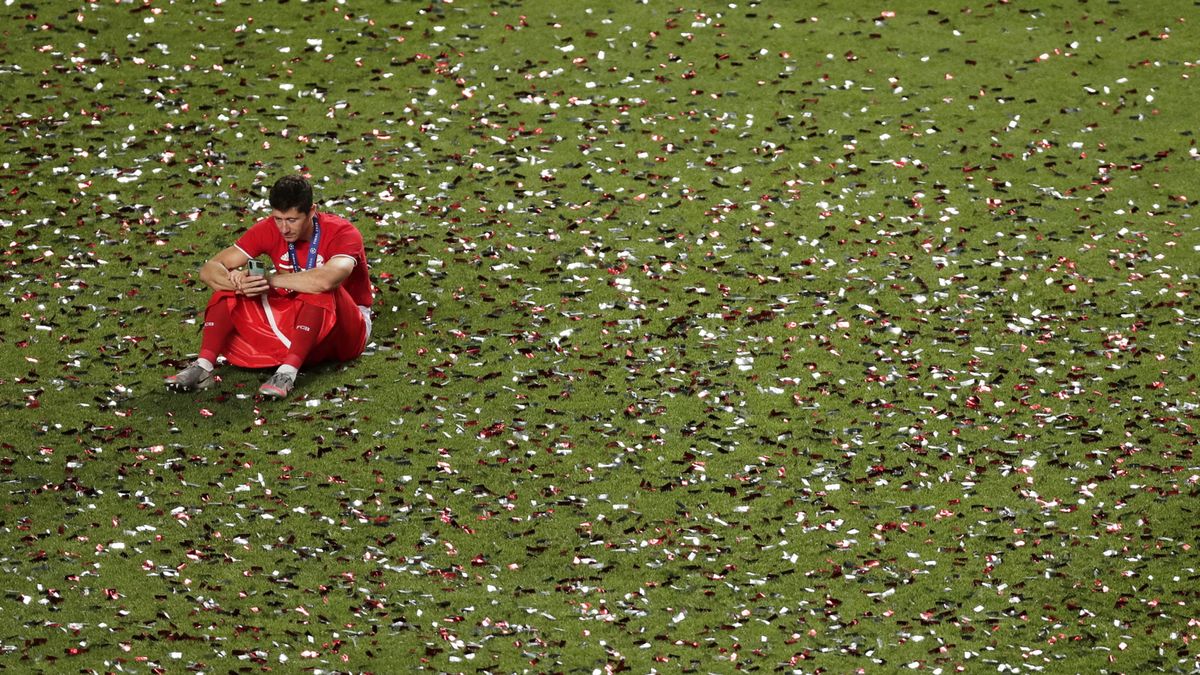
{"x":314,"y":306}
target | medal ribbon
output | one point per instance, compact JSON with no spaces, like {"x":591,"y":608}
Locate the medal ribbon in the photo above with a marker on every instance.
{"x":312,"y":249}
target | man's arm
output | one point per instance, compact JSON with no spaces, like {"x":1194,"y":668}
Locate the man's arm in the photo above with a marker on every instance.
{"x":222,"y":273}
{"x":316,"y":280}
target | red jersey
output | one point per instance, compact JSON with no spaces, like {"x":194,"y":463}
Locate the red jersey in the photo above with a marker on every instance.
{"x":338,"y":237}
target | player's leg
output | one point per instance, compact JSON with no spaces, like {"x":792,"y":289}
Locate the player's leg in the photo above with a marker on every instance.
{"x":218,"y":326}
{"x":311,"y":325}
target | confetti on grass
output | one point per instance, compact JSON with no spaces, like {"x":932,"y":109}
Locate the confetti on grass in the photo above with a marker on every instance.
{"x":707,"y":340}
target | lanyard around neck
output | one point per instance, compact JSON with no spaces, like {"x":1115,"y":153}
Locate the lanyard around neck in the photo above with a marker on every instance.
{"x":312,"y":249}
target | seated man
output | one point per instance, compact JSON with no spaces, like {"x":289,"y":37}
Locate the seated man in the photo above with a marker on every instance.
{"x":314,"y":307}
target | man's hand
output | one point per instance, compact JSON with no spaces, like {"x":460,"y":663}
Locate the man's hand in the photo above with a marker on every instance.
{"x":249,"y":285}
{"x":240,"y":281}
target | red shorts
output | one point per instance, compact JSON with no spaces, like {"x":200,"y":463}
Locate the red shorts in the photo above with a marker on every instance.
{"x":264,"y":326}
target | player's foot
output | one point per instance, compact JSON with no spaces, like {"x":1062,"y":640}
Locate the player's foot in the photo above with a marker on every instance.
{"x":279,"y":386}
{"x":192,"y":378}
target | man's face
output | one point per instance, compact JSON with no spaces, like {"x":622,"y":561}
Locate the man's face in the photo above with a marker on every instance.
{"x":295,"y":225}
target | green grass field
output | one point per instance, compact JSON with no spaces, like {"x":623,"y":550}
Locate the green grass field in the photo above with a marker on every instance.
{"x":758,"y":336}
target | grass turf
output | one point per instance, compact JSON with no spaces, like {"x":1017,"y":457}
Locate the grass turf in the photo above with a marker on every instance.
{"x":767,"y":336}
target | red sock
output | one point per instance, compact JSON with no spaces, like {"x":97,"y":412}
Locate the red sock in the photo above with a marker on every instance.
{"x":309,"y":320}
{"x":218,"y":326}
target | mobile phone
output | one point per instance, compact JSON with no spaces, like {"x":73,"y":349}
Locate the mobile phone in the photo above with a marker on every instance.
{"x":255,"y":267}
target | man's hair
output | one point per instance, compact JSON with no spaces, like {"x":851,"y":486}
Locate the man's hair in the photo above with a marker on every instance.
{"x":292,"y":192}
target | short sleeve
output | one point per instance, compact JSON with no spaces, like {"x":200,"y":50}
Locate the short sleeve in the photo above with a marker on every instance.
{"x":257,"y":240}
{"x":346,"y":241}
